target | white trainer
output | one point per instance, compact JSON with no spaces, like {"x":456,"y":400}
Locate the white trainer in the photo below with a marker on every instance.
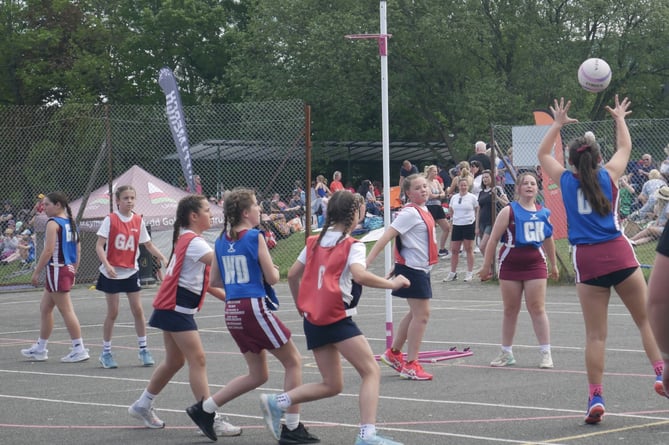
{"x":503,"y":359}
{"x":35,"y":354}
{"x":223,"y":428}
{"x":546,"y":360}
{"x":146,"y":415}
{"x":452,"y":276}
{"x":469,"y":276}
{"x":76,"y":357}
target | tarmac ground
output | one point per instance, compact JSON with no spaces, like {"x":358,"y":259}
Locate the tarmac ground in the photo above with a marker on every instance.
{"x":467,"y":402}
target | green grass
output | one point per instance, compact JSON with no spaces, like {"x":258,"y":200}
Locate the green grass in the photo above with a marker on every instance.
{"x":12,"y":274}
{"x":286,"y":251}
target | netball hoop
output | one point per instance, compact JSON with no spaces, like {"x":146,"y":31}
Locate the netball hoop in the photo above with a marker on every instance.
{"x":382,"y":39}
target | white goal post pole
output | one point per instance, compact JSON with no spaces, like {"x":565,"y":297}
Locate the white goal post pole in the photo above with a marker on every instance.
{"x":383,"y":53}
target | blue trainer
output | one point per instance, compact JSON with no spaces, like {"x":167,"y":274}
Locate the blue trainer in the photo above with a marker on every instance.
{"x":376,"y":440}
{"x":107,"y":360}
{"x":659,"y":386}
{"x":595,"y":410}
{"x":271,"y":413}
{"x":145,"y":357}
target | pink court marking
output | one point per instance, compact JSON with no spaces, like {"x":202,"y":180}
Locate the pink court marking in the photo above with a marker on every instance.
{"x":104,"y":427}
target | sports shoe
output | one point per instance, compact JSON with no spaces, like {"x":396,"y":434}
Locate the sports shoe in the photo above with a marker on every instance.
{"x":414,"y":371}
{"x":271,"y":413}
{"x":203,"y":419}
{"x":107,"y":360}
{"x":223,"y":428}
{"x":595,"y":410}
{"x":145,"y":357}
{"x":34,"y":354}
{"x":546,"y":360}
{"x":393,"y":359}
{"x":376,"y":440}
{"x":443,"y":253}
{"x":503,"y":359}
{"x":452,"y":276}
{"x":469,"y":276}
{"x":146,"y":415}
{"x":477,"y":250}
{"x":76,"y":357}
{"x":297,"y":436}
{"x":659,"y":387}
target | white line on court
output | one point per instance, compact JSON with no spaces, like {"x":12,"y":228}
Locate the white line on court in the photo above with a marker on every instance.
{"x":437,"y":402}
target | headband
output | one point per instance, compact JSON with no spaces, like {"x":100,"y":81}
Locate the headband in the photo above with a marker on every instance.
{"x":582,"y":148}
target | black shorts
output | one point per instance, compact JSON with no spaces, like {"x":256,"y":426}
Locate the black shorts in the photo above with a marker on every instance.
{"x":437,"y":211}
{"x":172,"y":321}
{"x":460,"y":233}
{"x":420,"y":283}
{"x":341,"y":330}
{"x":663,"y":243}
{"x":612,"y":279}
{"x":110,"y":286}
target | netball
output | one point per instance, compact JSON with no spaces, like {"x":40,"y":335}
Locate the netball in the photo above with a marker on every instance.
{"x":594,"y":75}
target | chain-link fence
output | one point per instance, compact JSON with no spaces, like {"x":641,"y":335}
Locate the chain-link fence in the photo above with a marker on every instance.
{"x":83,"y":150}
{"x":640,"y":213}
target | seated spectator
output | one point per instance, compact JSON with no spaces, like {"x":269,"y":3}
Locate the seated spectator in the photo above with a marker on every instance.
{"x":276,"y":223}
{"x":8,"y":244}
{"x":378,"y":190}
{"x":300,"y":191}
{"x":653,"y":231}
{"x":6,"y":216}
{"x":296,"y":200}
{"x":278,"y":206}
{"x":638,"y":171}
{"x":646,"y":200}
{"x":367,"y":191}
{"x":25,"y":250}
{"x":349,"y":187}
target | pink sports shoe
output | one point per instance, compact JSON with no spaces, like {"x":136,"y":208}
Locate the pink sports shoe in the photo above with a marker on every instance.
{"x":393,"y":359}
{"x":414,"y":371}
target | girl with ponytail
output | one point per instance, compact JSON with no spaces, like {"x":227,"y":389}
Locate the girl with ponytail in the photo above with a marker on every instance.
{"x":602,"y":256}
{"x":60,"y":260}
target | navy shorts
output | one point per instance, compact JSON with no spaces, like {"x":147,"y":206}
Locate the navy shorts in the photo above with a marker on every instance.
{"x":341,"y":330}
{"x":127,"y":285}
{"x":420,"y":283}
{"x":460,"y":233}
{"x":172,"y":321}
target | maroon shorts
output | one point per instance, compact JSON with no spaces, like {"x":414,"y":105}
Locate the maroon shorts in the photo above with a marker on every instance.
{"x":59,"y":278}
{"x":597,"y":260}
{"x":253,"y":326}
{"x":522,"y":264}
